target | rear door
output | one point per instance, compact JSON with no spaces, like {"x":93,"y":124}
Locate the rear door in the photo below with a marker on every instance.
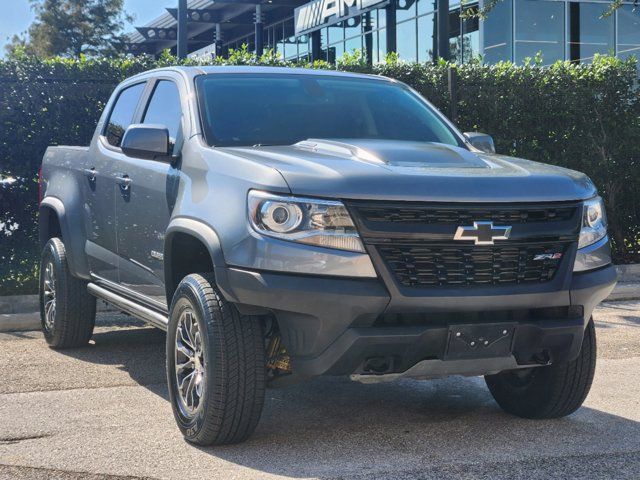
{"x":101,"y":183}
{"x":144,"y":210}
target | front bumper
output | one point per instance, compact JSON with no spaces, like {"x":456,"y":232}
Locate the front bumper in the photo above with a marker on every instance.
{"x":337,"y":326}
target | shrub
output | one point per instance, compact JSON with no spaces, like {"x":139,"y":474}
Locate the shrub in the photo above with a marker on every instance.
{"x":585,"y":117}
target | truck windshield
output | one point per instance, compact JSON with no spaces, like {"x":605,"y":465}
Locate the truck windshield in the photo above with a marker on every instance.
{"x":280,"y":109}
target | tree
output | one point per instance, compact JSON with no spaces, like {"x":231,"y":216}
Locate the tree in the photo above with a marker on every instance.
{"x":72,"y":28}
{"x":489,"y":5}
{"x":17,"y":46}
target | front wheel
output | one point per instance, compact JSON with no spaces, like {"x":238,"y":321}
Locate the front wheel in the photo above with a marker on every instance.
{"x":553,"y":391}
{"x":215,"y":365}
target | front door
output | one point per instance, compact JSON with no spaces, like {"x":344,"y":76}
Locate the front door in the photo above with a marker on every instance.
{"x":100,"y":186}
{"x":143,"y":208}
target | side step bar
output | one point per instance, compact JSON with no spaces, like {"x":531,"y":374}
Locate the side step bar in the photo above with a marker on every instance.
{"x":156,"y":319}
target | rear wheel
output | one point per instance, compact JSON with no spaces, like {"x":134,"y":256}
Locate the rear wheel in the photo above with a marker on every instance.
{"x":547,"y":392}
{"x":67,"y":310}
{"x":215,"y":365}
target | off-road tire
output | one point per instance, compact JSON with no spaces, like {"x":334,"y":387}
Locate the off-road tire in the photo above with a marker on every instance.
{"x":553,"y":391}
{"x":234,"y":365}
{"x":75,"y":308}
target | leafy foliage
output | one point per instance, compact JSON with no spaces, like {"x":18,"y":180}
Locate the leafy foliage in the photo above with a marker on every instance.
{"x":584,"y":117}
{"x":72,"y":28}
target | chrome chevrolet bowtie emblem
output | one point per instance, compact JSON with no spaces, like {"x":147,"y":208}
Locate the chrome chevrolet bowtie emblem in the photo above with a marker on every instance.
{"x":483,"y":233}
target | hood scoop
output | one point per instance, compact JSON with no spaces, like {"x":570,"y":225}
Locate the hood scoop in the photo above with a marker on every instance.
{"x":339,"y":149}
{"x":398,"y":154}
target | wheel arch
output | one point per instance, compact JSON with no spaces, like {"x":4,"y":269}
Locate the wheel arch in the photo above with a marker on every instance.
{"x":49,"y":225}
{"x":54,"y":222}
{"x":191,"y":246}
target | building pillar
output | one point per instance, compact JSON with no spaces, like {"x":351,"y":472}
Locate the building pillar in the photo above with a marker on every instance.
{"x":182,"y":49}
{"x":218,"y":40}
{"x":315,"y":45}
{"x":443,"y":30}
{"x":259,"y":33}
{"x":368,"y":37}
{"x":392,"y":45}
{"x":574,"y":33}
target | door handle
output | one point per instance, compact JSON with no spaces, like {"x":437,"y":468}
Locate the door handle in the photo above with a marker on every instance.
{"x":91,"y":173}
{"x":124,"y":181}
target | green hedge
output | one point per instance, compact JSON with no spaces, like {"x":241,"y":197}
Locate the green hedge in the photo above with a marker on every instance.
{"x":584,"y":117}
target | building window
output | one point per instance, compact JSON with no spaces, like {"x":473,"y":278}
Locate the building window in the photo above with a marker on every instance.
{"x":362,"y":32}
{"x":324,"y":44}
{"x":426,"y":6}
{"x":427,"y":40}
{"x":464,"y":37}
{"x":336,"y":42}
{"x":589,"y":32}
{"x":379,"y":35}
{"x":407,"y":43}
{"x":416,"y":30}
{"x":279,"y":40}
{"x":353,"y":33}
{"x":539,"y":29}
{"x":290,"y":42}
{"x":405,"y":10}
{"x":498,"y":33}
{"x":629,"y":32}
{"x":382,"y":18}
{"x":303,"y":47}
{"x":514,"y":30}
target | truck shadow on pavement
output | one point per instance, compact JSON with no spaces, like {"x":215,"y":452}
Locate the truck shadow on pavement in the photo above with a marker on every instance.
{"x":335,"y":428}
{"x":396,"y":430}
{"x":138,"y":352}
{"x":632,"y":319}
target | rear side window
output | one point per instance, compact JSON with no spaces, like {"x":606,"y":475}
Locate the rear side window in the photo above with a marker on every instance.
{"x":164,"y":109}
{"x":122,"y":113}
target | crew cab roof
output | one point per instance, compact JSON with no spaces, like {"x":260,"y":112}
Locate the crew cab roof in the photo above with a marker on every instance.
{"x":191,"y":72}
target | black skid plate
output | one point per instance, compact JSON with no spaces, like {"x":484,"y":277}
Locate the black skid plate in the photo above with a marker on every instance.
{"x":479,"y":341}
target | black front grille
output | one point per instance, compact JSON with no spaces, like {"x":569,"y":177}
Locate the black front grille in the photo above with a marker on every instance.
{"x":422,"y":214}
{"x":424,"y":265}
{"x":416,"y":246}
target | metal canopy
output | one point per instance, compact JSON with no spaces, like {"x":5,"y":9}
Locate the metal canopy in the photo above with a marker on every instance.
{"x":232,"y":19}
{"x":207,"y":16}
{"x":158,"y":34}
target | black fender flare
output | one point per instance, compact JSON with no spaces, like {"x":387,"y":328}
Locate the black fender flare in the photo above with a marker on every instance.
{"x":73,"y":240}
{"x":209,"y":238}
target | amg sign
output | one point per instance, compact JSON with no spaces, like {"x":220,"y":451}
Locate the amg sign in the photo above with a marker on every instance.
{"x":319,"y":13}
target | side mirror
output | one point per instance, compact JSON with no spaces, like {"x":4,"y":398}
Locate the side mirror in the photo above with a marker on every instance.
{"x":146,"y":141}
{"x":481,"y":141}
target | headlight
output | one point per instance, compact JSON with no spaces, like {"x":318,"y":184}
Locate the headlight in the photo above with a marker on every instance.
{"x":594,"y":222}
{"x":325,"y":223}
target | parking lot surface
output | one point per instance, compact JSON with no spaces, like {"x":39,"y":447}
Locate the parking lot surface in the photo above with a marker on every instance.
{"x":103,"y":412}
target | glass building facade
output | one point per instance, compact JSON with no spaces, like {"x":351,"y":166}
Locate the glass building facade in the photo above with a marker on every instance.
{"x":514,"y":30}
{"x":559,"y":30}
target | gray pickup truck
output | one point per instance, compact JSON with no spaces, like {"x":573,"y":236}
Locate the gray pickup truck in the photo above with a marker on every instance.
{"x":282,"y":224}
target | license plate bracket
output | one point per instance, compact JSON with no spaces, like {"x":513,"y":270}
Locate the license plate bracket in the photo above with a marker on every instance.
{"x":488,"y":340}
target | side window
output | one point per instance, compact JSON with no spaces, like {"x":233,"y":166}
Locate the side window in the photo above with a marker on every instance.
{"x":122,"y":113}
{"x":164,"y":109}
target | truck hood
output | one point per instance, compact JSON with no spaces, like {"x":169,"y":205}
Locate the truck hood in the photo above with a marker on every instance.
{"x":415,"y":171}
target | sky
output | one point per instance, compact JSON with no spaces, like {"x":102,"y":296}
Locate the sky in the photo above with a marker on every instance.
{"x":19,"y":16}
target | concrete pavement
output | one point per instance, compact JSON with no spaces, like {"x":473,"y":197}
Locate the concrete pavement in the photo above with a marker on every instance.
{"x":102,"y":412}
